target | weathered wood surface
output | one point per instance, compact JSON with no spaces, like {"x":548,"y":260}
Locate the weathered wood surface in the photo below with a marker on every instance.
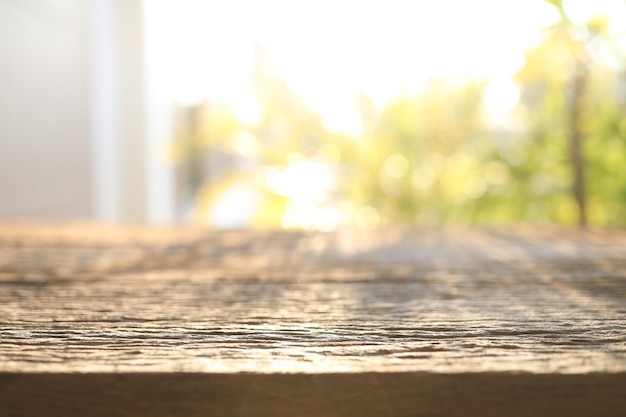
{"x":408,"y":319}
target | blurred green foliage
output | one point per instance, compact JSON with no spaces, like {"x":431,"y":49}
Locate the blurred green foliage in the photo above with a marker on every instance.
{"x":437,"y":158}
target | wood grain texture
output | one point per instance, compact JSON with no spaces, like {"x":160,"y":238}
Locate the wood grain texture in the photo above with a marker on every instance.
{"x":419,"y":322}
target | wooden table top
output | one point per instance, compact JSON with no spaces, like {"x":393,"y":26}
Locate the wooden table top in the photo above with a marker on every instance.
{"x":519,"y":305}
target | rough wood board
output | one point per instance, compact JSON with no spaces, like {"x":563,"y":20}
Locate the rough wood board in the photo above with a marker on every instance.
{"x":84,"y":304}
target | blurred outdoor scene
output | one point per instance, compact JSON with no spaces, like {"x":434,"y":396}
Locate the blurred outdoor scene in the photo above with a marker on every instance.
{"x":408,"y":112}
{"x":322,"y":115}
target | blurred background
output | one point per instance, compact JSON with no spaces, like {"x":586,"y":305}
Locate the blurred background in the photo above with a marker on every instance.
{"x":314,"y":114}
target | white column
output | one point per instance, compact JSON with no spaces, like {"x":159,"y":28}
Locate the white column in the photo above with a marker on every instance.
{"x":158,"y":118}
{"x":131,"y":114}
{"x":103,"y":103}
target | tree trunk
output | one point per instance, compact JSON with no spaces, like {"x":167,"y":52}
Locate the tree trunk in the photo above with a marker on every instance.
{"x":579,"y":83}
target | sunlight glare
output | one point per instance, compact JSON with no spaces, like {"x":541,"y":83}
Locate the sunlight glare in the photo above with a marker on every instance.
{"x":499,"y":98}
{"x":330,"y":51}
{"x":235,"y":207}
{"x":301,"y":181}
{"x":341,"y":119}
{"x":581,"y":11}
{"x":298,"y":215}
{"x":326,"y":219}
{"x":196,"y":58}
{"x":245,"y":144}
{"x":247,"y":110}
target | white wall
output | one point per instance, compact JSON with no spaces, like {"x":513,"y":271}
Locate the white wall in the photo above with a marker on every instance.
{"x":44,"y":146}
{"x":82,"y":121}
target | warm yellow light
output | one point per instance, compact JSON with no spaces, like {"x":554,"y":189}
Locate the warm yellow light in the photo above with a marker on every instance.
{"x":367,"y":218}
{"x":475,"y":187}
{"x":396,"y":166}
{"x":496,"y":173}
{"x":422,"y":179}
{"x":245,"y":144}
{"x":329,"y":153}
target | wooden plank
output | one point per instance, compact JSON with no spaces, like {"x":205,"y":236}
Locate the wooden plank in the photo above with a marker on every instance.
{"x":334,"y":395}
{"x":428,"y":322}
